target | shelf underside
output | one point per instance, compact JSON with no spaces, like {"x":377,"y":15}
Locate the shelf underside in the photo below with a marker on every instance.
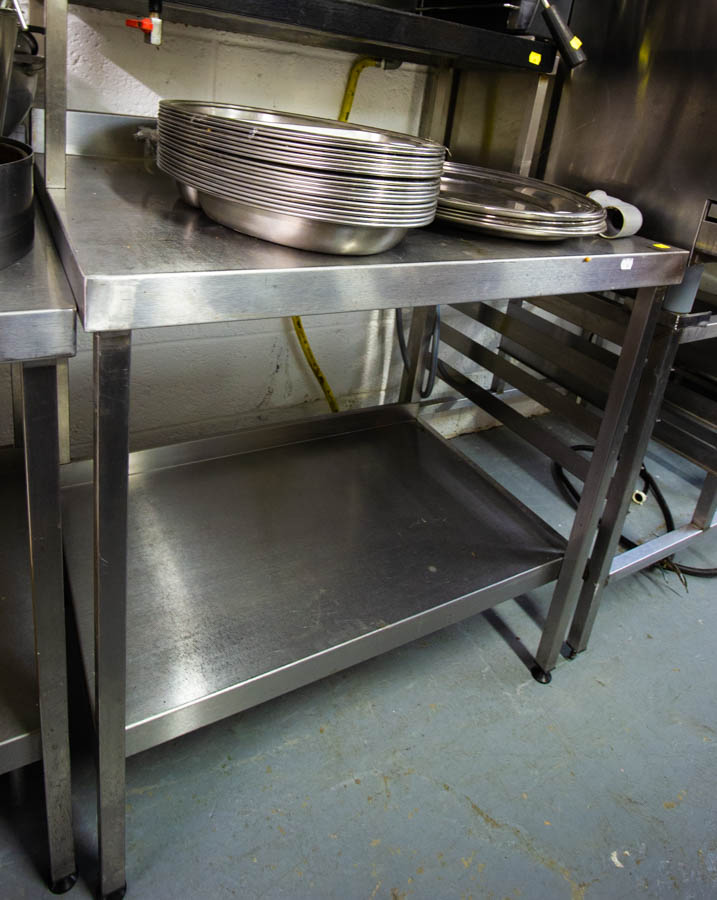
{"x":358,"y":28}
{"x":252,"y":574}
{"x":19,"y":716}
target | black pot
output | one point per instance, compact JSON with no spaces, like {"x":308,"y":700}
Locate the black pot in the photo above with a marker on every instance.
{"x":17,"y":218}
{"x":26,"y":67}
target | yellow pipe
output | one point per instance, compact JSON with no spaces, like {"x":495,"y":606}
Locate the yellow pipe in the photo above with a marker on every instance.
{"x":350,"y":93}
{"x":348,"y":101}
{"x":311,"y":360}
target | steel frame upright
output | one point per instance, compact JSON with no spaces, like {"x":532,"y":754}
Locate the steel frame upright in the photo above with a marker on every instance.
{"x":40,"y":439}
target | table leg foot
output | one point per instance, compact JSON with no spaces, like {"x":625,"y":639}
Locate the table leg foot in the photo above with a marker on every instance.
{"x":540,"y":675}
{"x":63,"y":885}
{"x":116,"y":895}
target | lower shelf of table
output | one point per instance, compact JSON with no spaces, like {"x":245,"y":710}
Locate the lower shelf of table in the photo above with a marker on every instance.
{"x":262,"y":562}
{"x":19,"y":714}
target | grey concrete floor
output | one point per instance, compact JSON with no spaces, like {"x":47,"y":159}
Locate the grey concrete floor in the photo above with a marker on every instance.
{"x":442,"y":770}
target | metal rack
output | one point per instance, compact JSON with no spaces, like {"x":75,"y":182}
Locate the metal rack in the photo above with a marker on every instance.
{"x":37,"y":328}
{"x":685,"y":417}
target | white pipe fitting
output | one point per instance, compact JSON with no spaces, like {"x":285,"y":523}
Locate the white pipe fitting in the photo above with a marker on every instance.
{"x":623,"y":219}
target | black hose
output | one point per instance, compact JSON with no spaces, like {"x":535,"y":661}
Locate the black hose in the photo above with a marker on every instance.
{"x":401,"y":338}
{"x":31,"y":40}
{"x":427,"y":389}
{"x":571,"y":493}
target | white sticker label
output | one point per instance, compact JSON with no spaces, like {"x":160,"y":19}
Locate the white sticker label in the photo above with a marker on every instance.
{"x":626,"y":263}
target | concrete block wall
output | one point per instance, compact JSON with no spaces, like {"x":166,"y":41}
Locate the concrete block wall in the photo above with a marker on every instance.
{"x":194,"y":382}
{"x":111,"y":69}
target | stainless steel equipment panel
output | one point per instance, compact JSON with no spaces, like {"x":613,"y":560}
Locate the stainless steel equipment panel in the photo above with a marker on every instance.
{"x":639,"y":120}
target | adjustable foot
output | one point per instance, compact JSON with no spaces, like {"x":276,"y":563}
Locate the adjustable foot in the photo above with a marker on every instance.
{"x":540,"y":675}
{"x":116,"y":895}
{"x":572,"y":652}
{"x":62,"y":885}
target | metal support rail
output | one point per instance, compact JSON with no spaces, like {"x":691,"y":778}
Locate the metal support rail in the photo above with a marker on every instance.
{"x":531,"y":339}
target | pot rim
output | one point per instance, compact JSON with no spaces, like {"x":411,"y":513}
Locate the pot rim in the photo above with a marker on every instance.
{"x":27,"y":151}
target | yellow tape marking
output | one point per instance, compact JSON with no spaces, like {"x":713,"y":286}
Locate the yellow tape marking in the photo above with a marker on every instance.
{"x":662,"y":246}
{"x":535,"y":58}
{"x":576,"y":43}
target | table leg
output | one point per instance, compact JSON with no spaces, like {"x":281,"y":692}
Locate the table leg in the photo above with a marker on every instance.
{"x":111,"y":450}
{"x":63,"y":409}
{"x":707,"y":503}
{"x":609,"y":441}
{"x":42,"y":477}
{"x":642,"y":421}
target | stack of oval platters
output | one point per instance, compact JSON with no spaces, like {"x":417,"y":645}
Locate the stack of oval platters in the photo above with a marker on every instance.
{"x":515,"y":206}
{"x":317,"y":184}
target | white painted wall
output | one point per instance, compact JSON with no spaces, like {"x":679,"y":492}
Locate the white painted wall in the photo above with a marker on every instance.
{"x":192,"y":382}
{"x":111,"y":69}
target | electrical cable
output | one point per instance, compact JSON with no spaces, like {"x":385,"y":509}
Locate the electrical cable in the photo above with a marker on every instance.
{"x":313,"y":364}
{"x":435,"y":367}
{"x":350,"y":91}
{"x":427,"y":390}
{"x":346,"y":104}
{"x":402,"y":338}
{"x":31,"y":40}
{"x":571,"y":493}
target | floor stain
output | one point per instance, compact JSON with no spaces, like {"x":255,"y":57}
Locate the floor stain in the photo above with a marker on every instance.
{"x":526,"y":844}
{"x":671,"y":804}
{"x":386,"y":790}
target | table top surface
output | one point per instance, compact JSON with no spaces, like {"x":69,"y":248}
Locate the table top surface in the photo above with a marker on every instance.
{"x":37,"y":307}
{"x":138,"y":256}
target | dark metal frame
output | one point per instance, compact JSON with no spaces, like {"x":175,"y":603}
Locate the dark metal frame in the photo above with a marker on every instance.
{"x":362,"y":28}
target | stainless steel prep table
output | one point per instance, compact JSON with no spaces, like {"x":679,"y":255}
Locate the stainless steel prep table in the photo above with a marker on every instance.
{"x":37,"y":326}
{"x":244,"y":580}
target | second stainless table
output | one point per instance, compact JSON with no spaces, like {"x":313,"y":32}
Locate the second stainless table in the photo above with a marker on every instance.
{"x":37,"y":327}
